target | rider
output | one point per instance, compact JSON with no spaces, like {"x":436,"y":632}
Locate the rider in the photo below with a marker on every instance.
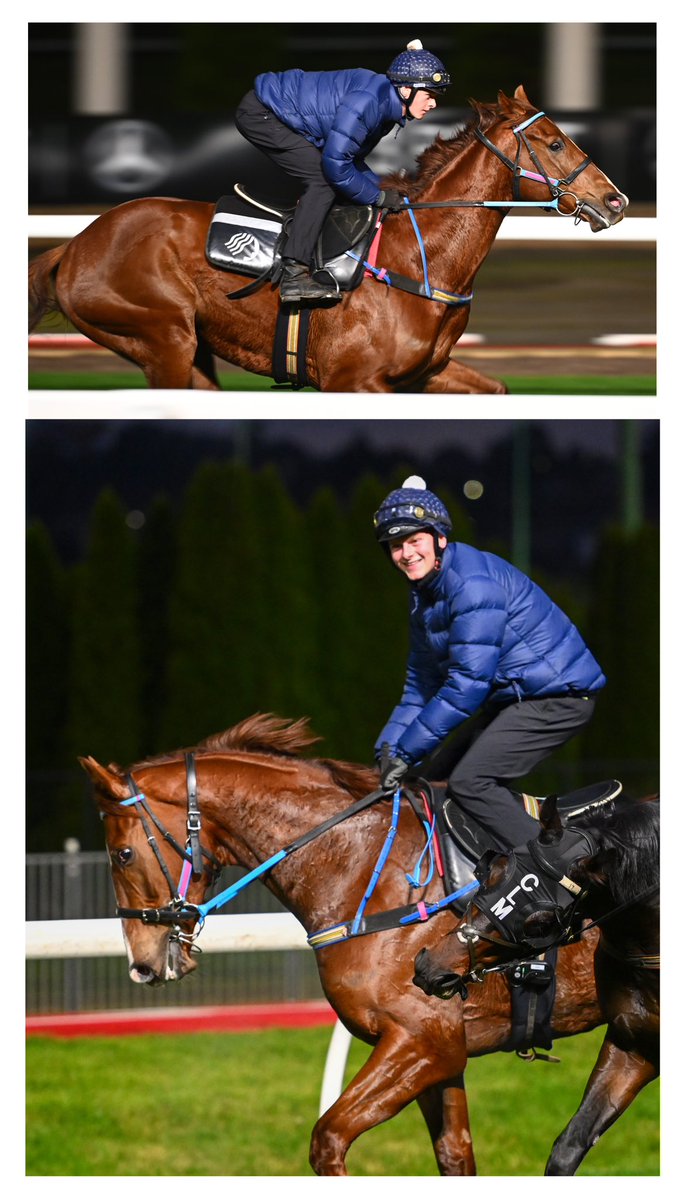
{"x":319,"y":126}
{"x":484,"y":639}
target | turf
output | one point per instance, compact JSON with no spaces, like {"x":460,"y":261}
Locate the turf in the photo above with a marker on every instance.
{"x":575,"y":385}
{"x":244,"y":1104}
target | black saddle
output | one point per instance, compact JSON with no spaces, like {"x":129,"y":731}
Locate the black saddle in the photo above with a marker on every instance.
{"x":463,"y":841}
{"x":246,"y":236}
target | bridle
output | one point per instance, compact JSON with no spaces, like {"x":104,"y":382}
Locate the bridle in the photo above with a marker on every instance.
{"x":193,"y":855}
{"x":540,"y":175}
{"x":554,"y":186}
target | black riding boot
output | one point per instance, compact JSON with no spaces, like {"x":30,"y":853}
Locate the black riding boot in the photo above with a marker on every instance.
{"x":297,"y":283}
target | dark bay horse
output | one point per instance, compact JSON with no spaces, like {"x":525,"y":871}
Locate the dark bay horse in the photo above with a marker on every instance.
{"x":256,"y":795}
{"x":619,"y":884}
{"x":137,"y":280}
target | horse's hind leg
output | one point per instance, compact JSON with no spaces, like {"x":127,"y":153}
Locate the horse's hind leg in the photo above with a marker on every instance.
{"x":204,"y":375}
{"x":458,"y":379}
{"x":401,"y":1068}
{"x":444,"y":1108}
{"x":616,"y":1079}
{"x":156,"y":331}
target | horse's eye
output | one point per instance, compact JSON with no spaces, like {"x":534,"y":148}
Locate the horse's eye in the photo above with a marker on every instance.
{"x":556,"y":146}
{"x":123,"y":857}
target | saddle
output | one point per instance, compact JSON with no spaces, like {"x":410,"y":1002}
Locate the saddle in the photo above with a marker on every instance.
{"x":462,"y":841}
{"x":246,"y":236}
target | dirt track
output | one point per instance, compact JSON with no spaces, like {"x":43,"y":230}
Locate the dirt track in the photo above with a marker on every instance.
{"x":501,"y":361}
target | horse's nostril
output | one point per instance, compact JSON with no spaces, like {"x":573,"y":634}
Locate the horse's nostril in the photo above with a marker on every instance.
{"x":141,"y":974}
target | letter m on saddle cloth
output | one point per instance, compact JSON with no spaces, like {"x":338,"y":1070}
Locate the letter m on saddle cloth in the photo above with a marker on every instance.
{"x":247,"y":240}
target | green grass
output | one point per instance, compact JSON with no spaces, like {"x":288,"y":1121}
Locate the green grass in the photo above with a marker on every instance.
{"x":244,"y":1104}
{"x":575,"y":385}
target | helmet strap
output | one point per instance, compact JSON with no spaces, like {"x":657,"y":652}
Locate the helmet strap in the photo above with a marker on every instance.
{"x":412,"y":93}
{"x":409,"y":101}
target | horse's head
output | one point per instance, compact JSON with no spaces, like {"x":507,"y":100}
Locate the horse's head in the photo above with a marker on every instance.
{"x":544,"y":160}
{"x":151,"y":868}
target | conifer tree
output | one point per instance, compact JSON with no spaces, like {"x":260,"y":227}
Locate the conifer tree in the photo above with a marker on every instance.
{"x":218,"y":616}
{"x":623,"y":630}
{"x":288,"y":637}
{"x":47,"y":667}
{"x":380,"y":643}
{"x":157,"y":566}
{"x":335,"y":620}
{"x":104,"y":694}
{"x":47,"y":651}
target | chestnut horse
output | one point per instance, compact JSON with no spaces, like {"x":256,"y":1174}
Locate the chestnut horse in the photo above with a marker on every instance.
{"x":138,"y":282}
{"x":253,"y":795}
{"x":619,"y":890}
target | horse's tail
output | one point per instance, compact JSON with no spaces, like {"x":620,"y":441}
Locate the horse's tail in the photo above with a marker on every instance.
{"x":42,"y":298}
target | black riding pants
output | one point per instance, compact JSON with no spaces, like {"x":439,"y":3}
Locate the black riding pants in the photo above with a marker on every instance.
{"x":501,"y":746}
{"x":300,"y":159}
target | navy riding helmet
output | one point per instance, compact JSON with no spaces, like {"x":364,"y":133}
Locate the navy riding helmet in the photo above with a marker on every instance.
{"x":409,"y":509}
{"x":416,"y":68}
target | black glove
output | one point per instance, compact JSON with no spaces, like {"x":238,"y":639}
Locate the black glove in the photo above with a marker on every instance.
{"x":391,"y":200}
{"x":392,"y":771}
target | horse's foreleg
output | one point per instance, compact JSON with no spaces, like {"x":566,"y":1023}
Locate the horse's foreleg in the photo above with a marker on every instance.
{"x":616,"y":1079}
{"x":444,"y":1108}
{"x":461,"y":380}
{"x":401,"y":1068}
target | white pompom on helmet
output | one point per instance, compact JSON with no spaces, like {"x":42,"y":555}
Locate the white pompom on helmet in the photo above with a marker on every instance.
{"x":410,"y":508}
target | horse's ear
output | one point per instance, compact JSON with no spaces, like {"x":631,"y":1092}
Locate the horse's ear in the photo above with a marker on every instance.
{"x":551,"y":822}
{"x":107,"y":783}
{"x":520,"y":94}
{"x":594,"y":869}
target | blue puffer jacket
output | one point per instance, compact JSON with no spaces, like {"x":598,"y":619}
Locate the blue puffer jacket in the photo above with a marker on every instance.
{"x":481,"y":630}
{"x":344,"y":113}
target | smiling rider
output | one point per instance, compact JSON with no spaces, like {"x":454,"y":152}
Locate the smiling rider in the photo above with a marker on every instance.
{"x":485,"y":642}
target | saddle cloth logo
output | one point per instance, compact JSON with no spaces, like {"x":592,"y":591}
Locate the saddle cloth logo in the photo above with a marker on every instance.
{"x":245,"y":243}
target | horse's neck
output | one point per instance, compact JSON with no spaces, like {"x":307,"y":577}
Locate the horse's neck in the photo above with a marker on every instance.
{"x":459,"y":239}
{"x":476,"y":173}
{"x":256,"y":824}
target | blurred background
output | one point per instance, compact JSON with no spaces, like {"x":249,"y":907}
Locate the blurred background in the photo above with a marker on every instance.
{"x":118,"y":111}
{"x":121,"y":110}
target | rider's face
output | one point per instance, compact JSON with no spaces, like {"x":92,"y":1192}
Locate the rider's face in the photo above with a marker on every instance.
{"x":423,"y":103}
{"x":415,"y":556}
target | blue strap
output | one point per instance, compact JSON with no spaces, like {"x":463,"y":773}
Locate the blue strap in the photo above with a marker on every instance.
{"x":420,"y":243}
{"x":235,"y":888}
{"x":529,"y":121}
{"x":384,"y":854}
{"x":431,"y":909}
{"x":414,"y":880}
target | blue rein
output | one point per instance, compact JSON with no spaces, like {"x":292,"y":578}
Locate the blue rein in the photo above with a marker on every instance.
{"x":180,"y":909}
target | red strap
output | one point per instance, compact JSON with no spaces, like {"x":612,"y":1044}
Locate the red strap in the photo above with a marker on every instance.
{"x":373,"y":251}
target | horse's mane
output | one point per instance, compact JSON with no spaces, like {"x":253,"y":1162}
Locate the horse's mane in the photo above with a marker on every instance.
{"x":633,"y":833}
{"x":432,"y":161}
{"x":265,"y":733}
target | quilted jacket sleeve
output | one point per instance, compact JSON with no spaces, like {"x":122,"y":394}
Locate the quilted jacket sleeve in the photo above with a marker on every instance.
{"x":422,"y":681}
{"x":474,"y":626}
{"x":356,"y":122}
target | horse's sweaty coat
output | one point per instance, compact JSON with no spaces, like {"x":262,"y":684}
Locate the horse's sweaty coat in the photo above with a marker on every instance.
{"x":138,"y":282}
{"x":257,"y":796}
